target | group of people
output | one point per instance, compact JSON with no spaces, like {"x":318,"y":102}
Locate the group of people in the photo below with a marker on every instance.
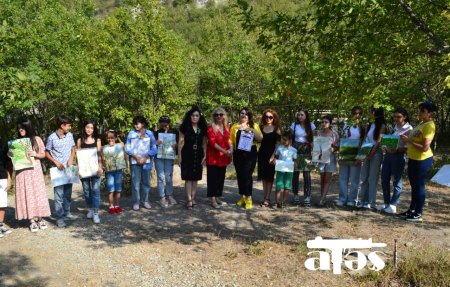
{"x":217,"y":144}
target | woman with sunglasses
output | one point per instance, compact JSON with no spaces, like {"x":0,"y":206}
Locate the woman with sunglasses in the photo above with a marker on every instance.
{"x":218,"y":155}
{"x":394,"y":163}
{"x":350,"y":171}
{"x":302,"y":129}
{"x":192,"y":151}
{"x":271,"y":130}
{"x":244,"y":135}
{"x":420,"y":158}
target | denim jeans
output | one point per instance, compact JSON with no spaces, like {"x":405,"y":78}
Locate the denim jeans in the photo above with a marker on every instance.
{"x":164,"y":171}
{"x":91,"y":190}
{"x":139,"y":176}
{"x":63,"y":199}
{"x":417,"y":173}
{"x":370,"y":172}
{"x":348,"y":171}
{"x":393,"y":165}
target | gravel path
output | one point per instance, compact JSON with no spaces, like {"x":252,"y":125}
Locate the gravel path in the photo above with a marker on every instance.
{"x":202,"y":247}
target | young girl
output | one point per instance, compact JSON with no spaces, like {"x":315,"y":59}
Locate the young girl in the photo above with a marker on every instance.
{"x":302,"y":129}
{"x":370,"y":170}
{"x":114,"y":170}
{"x":350,"y":171}
{"x":31,"y":197}
{"x":394,"y":163}
{"x":288,"y":154}
{"x":327,"y":169}
{"x":163,"y":165}
{"x":192,"y":151}
{"x":91,"y":185}
{"x":141,"y":147}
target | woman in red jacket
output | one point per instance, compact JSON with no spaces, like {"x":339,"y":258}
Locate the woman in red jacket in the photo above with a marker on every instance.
{"x":218,"y":155}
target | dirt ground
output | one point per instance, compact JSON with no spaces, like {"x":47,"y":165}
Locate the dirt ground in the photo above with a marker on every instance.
{"x":205,"y":246}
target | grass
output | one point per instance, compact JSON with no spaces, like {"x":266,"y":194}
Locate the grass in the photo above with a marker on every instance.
{"x":257,"y":247}
{"x":422,"y":266}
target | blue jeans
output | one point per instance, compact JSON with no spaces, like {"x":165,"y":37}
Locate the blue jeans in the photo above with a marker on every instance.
{"x":417,"y":173}
{"x":139,"y":176}
{"x":370,"y":172}
{"x":348,"y":171}
{"x":63,"y":199}
{"x":91,"y":190}
{"x":164,"y":171}
{"x":393,"y":165}
{"x":114,"y":181}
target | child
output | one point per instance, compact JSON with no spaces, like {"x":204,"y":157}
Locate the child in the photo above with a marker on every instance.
{"x":91,"y":185}
{"x":327,"y":169}
{"x":164,"y":165}
{"x":60,"y":150}
{"x":5,"y":185}
{"x":111,"y":162}
{"x":141,"y":147}
{"x":287,"y":154}
{"x":30,"y":191}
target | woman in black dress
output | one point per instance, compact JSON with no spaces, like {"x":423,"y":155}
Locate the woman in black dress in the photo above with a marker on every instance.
{"x":270,"y":128}
{"x":192,"y":151}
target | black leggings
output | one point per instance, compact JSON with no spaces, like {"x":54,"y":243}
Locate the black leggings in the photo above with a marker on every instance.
{"x":306,"y":182}
{"x":245,"y":163}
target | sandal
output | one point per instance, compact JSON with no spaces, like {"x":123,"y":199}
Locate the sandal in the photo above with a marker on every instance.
{"x":189,"y":205}
{"x":265,"y":203}
{"x":34,"y":227}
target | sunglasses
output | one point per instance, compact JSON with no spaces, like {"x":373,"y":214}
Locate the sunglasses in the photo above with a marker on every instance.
{"x":269,"y":117}
{"x":218,"y":115}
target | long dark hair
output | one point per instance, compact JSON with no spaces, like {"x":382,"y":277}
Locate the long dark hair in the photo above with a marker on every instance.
{"x":186,"y":124}
{"x":84,"y":136}
{"x":380,"y":120}
{"x":249,"y":116}
{"x":25,"y":124}
{"x":403,"y":112}
{"x":309,"y":133}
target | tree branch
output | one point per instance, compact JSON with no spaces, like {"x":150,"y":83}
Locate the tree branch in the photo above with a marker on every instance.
{"x":438,"y":41}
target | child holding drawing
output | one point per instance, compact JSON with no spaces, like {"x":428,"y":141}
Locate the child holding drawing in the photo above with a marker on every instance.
{"x":60,"y":150}
{"x":114,"y":160}
{"x":327,"y":169}
{"x":285,"y":155}
{"x":91,"y":184}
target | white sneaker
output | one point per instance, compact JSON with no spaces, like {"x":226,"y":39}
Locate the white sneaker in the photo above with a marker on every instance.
{"x":172,"y":200}
{"x":339,"y":203}
{"x":60,"y":222}
{"x":391,"y":209}
{"x":4,"y":229}
{"x":163,"y":202}
{"x":70,"y":216}
{"x":90,"y":213}
{"x":381,"y":207}
{"x":96,"y":218}
{"x":366,"y":206}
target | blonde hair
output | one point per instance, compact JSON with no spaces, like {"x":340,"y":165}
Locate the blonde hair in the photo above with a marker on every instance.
{"x":224,"y":119}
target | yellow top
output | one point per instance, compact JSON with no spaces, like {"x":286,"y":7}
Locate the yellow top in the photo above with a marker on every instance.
{"x":417,"y":135}
{"x":234,"y":130}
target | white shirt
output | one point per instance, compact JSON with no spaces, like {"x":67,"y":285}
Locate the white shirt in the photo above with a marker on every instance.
{"x":402,"y":131}
{"x":355,"y":132}
{"x":300,"y":133}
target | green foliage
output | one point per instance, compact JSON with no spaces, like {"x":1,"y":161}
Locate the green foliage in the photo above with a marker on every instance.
{"x":58,"y":57}
{"x":390,"y":53}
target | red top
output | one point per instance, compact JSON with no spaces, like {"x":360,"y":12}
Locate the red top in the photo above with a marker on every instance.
{"x":213,"y":156}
